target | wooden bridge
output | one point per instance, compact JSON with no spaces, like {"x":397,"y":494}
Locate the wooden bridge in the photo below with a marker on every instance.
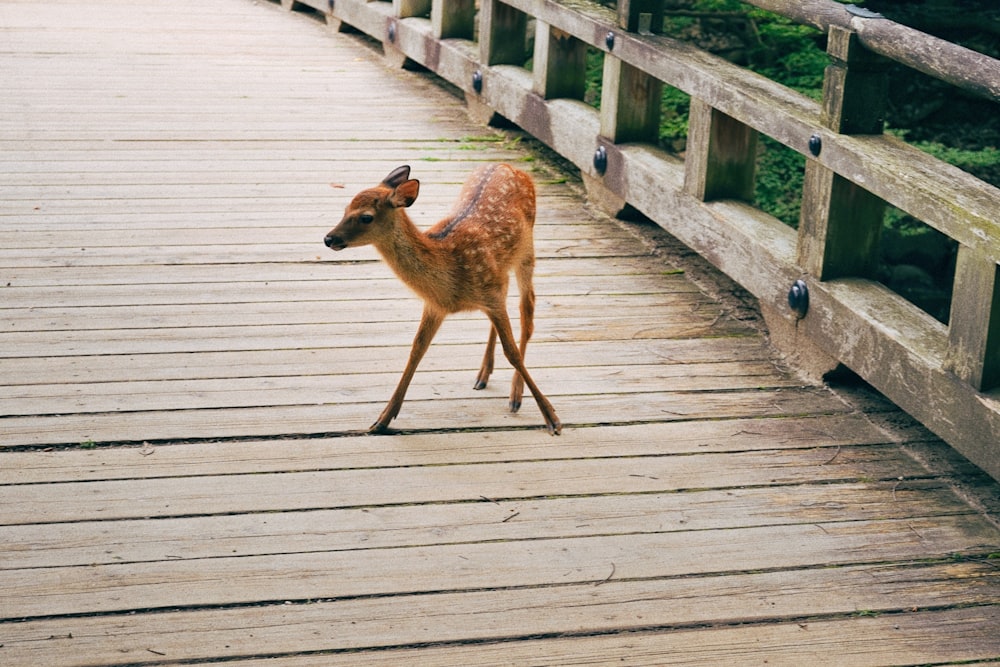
{"x":186,"y":370}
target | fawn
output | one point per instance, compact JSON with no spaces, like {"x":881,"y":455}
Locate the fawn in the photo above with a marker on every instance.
{"x":461,"y":263}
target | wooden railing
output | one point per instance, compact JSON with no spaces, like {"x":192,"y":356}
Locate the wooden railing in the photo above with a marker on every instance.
{"x":945,"y":376}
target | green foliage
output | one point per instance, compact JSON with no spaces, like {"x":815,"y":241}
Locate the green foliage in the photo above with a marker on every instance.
{"x":778,"y":186}
{"x":674,"y":117}
{"x":595,"y":77}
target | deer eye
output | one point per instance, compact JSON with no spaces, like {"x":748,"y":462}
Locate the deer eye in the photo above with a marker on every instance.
{"x":366,"y":218}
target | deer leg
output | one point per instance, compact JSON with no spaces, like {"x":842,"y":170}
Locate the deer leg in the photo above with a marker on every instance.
{"x":527,"y":291}
{"x":487,"y":368}
{"x":501,"y":322}
{"x":430,"y":322}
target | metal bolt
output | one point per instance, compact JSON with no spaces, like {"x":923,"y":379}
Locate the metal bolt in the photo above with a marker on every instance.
{"x":477,"y":81}
{"x":798,"y":298}
{"x":815,"y":145}
{"x":392,"y":33}
{"x":609,"y":40}
{"x":601,"y":159}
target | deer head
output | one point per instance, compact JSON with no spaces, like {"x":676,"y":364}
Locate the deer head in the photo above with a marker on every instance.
{"x":373,"y":213}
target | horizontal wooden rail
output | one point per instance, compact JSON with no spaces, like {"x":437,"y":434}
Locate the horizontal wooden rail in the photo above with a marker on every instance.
{"x":945,"y":376}
{"x":957,"y":65}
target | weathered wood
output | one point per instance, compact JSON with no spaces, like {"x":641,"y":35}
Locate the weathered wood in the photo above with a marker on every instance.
{"x":333,"y":359}
{"x":974,"y":327}
{"x":630,"y":103}
{"x":840,"y":226}
{"x":502,"y":615}
{"x":335,"y":574}
{"x":957,"y":65}
{"x":83,"y":543}
{"x":855,"y":86}
{"x":840,"y":222}
{"x":502,"y":33}
{"x":74,"y":501}
{"x":262,"y":456}
{"x":892,"y":344}
{"x":453,"y":19}
{"x":943,"y":196}
{"x":918,"y":638}
{"x":721,"y":155}
{"x":641,"y":15}
{"x":560,"y":63}
{"x":368,"y":387}
{"x":484,"y":411}
{"x":408,"y":8}
{"x":272,"y":532}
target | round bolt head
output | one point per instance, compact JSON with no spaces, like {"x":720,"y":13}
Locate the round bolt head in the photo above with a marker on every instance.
{"x":798,"y":298}
{"x":601,"y":159}
{"x":815,"y":145}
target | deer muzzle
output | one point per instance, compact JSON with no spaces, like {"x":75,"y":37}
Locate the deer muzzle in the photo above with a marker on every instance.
{"x":334,"y":242}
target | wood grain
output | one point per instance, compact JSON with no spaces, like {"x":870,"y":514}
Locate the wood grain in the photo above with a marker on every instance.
{"x":185,"y":372}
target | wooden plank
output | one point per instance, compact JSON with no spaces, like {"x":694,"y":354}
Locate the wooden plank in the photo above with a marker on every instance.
{"x":917,"y":638}
{"x":332,"y":359}
{"x":371,"y":387}
{"x":295,"y":250}
{"x":273,"y":530}
{"x":335,"y":574}
{"x":482,"y":412}
{"x":277,"y":282}
{"x":511,"y":615}
{"x":261,"y":456}
{"x":196,"y":339}
{"x":693,"y":482}
{"x":128,"y":499}
{"x":282,"y":305}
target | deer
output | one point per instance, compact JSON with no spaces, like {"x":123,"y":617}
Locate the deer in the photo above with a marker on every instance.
{"x":461,"y":263}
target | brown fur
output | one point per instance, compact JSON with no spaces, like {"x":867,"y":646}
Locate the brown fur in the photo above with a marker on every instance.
{"x":461,"y":263}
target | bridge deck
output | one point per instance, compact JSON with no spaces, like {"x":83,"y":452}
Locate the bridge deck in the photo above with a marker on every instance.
{"x":185,"y":369}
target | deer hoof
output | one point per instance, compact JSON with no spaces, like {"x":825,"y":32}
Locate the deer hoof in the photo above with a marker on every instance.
{"x":515,"y":405}
{"x":378,"y":428}
{"x":480,"y":384}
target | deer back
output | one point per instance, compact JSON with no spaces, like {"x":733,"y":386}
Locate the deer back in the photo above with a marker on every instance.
{"x":496,"y":199}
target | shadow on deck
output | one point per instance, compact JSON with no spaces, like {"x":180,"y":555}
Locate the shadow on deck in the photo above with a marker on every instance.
{"x":186,"y":368}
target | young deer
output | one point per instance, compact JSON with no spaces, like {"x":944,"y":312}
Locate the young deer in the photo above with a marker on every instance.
{"x":461,"y":263}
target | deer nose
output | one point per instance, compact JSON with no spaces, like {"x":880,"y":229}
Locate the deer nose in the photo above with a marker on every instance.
{"x":334,"y":242}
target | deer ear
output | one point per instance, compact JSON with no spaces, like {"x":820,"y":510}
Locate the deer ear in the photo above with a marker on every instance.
{"x":397,"y":176}
{"x":405,"y":194}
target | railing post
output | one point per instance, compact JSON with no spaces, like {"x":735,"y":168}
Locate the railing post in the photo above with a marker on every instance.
{"x":721,"y":155}
{"x":630,"y":106}
{"x":974,"y":326}
{"x":630,"y":98}
{"x":641,"y":15}
{"x":841,"y":223}
{"x":560,"y":68}
{"x":453,"y":19}
{"x":406,"y":8}
{"x":503,"y":32}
